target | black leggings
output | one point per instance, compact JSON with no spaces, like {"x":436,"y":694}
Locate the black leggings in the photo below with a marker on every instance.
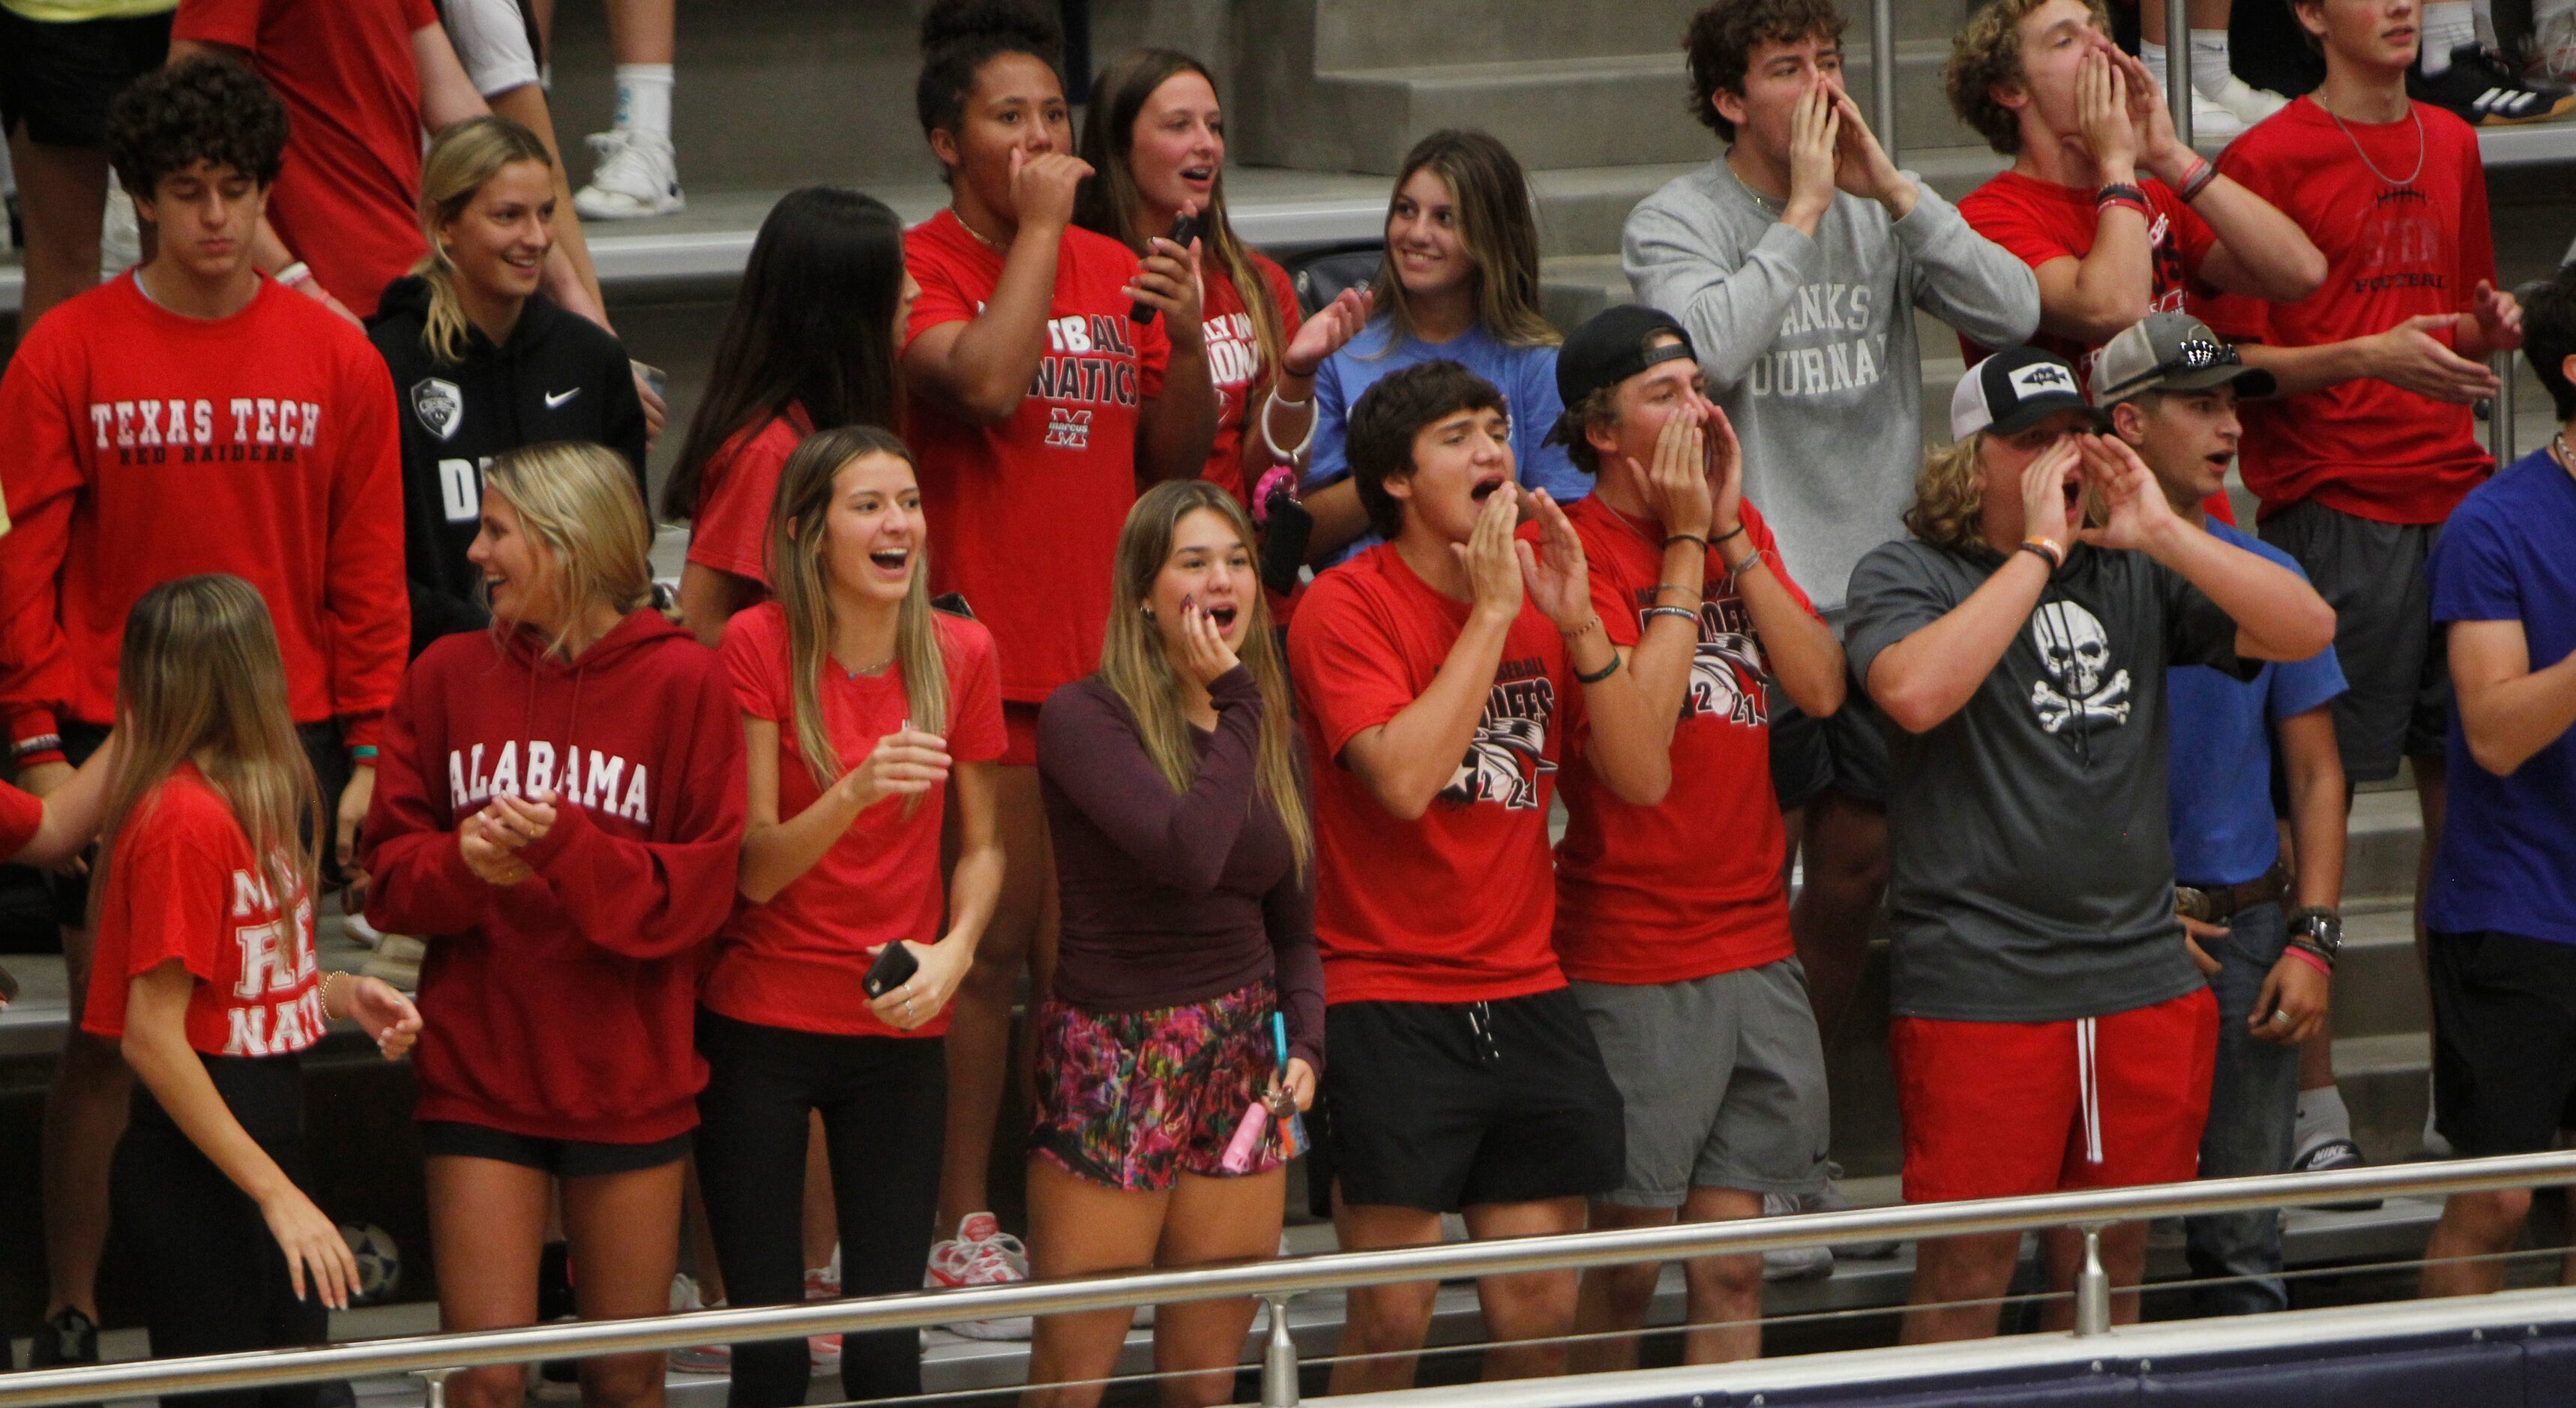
{"x":884,"y":1103}
{"x":212,"y":1276}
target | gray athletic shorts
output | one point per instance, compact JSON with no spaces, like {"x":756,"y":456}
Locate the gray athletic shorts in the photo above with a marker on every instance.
{"x":2373,"y":575}
{"x":1724,"y":1082}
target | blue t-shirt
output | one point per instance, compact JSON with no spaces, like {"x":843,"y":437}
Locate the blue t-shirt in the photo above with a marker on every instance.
{"x":2220,"y":766}
{"x":2507,"y":860}
{"x":1525,"y":375}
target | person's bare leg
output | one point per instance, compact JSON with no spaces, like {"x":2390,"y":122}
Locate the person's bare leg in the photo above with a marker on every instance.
{"x":1615,"y":1297}
{"x":1527,"y":1316}
{"x":2199,"y":14}
{"x":1724,"y":1308}
{"x":62,"y":192}
{"x":84,"y":1117}
{"x":2431,"y":777}
{"x":709,"y":1273}
{"x":979,"y":1024}
{"x":2472,"y":1225}
{"x":624,"y":1229}
{"x":1081,"y":1228}
{"x":2124,"y":1260}
{"x":822,"y":1218}
{"x":641,"y":31}
{"x":1390,"y":1321}
{"x":1948,"y":1270}
{"x":1845,"y":849}
{"x":1211,"y":1220}
{"x":487,"y":1220}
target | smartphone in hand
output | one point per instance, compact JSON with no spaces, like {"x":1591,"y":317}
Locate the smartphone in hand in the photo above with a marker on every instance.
{"x":893,"y":968}
{"x":1184,"y":230}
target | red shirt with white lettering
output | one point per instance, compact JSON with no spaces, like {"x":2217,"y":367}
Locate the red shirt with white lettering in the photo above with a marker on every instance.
{"x":347,"y":200}
{"x":1234,"y":364}
{"x":2037,"y":221}
{"x":796,"y":961}
{"x":143,"y":446}
{"x":182,"y":884}
{"x":1691,"y":886}
{"x":730,"y":531}
{"x":1024,"y":515}
{"x":2393,"y":252}
{"x":1455,"y":906}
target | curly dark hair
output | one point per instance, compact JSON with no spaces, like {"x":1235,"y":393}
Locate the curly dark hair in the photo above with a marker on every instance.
{"x":1391,"y":413}
{"x":958,"y":37}
{"x":205,"y":109}
{"x":1722,"y":38}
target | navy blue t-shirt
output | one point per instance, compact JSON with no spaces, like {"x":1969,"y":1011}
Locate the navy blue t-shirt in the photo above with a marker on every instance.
{"x":2221,"y":761}
{"x":2507,"y":859}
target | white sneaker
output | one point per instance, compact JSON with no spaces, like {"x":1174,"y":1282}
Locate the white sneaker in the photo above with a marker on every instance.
{"x":637,"y":176}
{"x":2250,"y":104}
{"x":697,"y":1358}
{"x":2212,"y":123}
{"x":1794,"y":1263}
{"x":824,"y":1283}
{"x":120,"y":240}
{"x":981,"y":1254}
{"x":2553,"y":49}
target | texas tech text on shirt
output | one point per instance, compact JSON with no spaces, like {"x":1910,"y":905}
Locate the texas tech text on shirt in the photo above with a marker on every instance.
{"x":201,"y":431}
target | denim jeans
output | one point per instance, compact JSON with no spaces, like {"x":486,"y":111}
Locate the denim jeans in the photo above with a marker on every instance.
{"x":2253,"y":1109}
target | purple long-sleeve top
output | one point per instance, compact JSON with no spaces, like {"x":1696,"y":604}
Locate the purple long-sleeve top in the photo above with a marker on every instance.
{"x":1174,"y":897}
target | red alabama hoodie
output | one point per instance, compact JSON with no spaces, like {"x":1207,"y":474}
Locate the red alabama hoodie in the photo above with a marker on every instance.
{"x":561,"y":1007}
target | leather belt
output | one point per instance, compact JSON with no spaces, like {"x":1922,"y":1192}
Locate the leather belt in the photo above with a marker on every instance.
{"x":2216,"y":904}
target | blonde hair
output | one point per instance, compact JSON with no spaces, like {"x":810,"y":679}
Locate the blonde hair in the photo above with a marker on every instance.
{"x":800,"y":579}
{"x":463,"y":157}
{"x":579,"y":501}
{"x":1138,"y":669}
{"x":199,"y":679}
{"x":1950,"y":496}
{"x":1987,"y":55}
{"x":1494,"y":225}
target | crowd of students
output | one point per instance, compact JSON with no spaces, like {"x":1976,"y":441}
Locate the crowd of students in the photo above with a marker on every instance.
{"x":975,"y":672}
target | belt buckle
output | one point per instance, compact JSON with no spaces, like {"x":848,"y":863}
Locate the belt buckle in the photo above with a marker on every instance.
{"x":2192,"y":903}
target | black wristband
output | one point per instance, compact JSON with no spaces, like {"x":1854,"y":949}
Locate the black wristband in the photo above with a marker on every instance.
{"x":1736,"y":532}
{"x":1601,"y":674}
{"x":1687,"y":538}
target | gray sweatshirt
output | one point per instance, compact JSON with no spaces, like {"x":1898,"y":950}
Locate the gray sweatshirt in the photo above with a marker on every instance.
{"x":1810,"y":345}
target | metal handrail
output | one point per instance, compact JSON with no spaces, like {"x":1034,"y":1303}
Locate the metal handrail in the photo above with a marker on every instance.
{"x":1274,"y":1280}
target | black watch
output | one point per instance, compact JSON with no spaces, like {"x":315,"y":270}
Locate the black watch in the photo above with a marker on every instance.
{"x":2321,"y":927}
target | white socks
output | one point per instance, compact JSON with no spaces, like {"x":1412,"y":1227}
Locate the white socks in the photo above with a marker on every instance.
{"x":2448,"y":24}
{"x":644,"y":100}
{"x":2210,"y":64}
{"x":2321,"y":1117}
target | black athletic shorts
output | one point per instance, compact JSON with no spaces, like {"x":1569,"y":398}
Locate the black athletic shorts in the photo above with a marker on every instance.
{"x":57,"y":77}
{"x":2394,"y":658}
{"x":2504,"y":1041}
{"x":564,"y":1158}
{"x":1444,"y":1106}
{"x":1845,"y":750}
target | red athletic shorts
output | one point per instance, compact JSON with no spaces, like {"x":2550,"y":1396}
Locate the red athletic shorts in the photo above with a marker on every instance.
{"x":1998,"y":1109}
{"x":1019,"y":734}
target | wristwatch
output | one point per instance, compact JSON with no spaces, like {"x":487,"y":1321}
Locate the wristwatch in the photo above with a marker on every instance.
{"x":2319,"y":928}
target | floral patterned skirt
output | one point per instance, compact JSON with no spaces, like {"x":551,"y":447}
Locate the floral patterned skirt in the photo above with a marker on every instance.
{"x":1135,"y":1099}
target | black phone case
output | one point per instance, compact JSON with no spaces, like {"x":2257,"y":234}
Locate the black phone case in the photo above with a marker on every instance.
{"x":1184,"y":230}
{"x":892,"y":970}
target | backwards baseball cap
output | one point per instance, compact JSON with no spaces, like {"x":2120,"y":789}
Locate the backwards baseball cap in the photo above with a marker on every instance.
{"x":2171,"y":352}
{"x":1612,"y":346}
{"x":2015,"y":389}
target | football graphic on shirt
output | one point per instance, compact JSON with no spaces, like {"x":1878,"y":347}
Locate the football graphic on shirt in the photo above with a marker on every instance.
{"x":2081,"y":684}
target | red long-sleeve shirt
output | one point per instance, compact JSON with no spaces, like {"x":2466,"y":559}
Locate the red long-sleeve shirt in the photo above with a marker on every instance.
{"x":561,"y":1007}
{"x":137,"y":446}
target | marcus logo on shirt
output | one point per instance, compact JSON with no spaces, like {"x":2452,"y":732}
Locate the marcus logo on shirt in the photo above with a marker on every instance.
{"x":1508,"y":755}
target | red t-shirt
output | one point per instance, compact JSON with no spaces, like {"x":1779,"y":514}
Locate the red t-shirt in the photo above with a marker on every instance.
{"x":347,"y":199}
{"x":1234,"y":363}
{"x":2392,"y":252}
{"x":1691,"y":886}
{"x":1024,"y":515}
{"x":2037,"y":221}
{"x":21,"y":814}
{"x":1454,"y":907}
{"x":182,"y":883}
{"x":797,"y":961}
{"x":730,"y":531}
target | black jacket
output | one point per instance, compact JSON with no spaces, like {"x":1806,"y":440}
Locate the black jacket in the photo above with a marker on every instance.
{"x":558,"y":377}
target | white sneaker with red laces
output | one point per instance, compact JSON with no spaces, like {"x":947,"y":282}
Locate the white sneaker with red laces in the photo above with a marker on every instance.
{"x":697,"y":1358}
{"x":981,"y":1254}
{"x":824,"y":1283}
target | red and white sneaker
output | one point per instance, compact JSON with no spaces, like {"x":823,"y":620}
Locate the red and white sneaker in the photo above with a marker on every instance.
{"x":697,"y":1358}
{"x":824,"y":1283}
{"x":981,"y":1254}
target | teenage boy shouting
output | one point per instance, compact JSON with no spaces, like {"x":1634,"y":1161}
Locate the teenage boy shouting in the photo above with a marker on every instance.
{"x":2265,"y":933}
{"x":1672,"y":920}
{"x":191,"y":416}
{"x":2503,"y":905}
{"x":2050,"y":1031}
{"x":1795,"y":261}
{"x":1438,"y":675}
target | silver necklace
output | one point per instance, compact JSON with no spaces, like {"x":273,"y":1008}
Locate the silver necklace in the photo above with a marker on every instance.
{"x":2421,"y":147}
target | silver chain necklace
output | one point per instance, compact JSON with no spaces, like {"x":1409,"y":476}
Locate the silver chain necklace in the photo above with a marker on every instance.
{"x":2421,"y":147}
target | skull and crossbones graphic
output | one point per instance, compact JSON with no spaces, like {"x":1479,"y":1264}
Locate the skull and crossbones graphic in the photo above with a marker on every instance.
{"x":2076,"y":652}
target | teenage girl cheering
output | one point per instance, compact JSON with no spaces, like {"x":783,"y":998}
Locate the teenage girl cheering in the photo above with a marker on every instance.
{"x":863,"y":712}
{"x":1035,"y":405}
{"x":205,"y":972}
{"x":560,"y":802}
{"x":809,"y":344}
{"x":1187,"y":985}
{"x":1154,"y":136}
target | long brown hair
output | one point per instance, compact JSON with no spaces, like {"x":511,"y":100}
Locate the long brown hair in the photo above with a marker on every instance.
{"x":462,"y":158}
{"x":578,"y":500}
{"x":800,"y":580}
{"x":199,"y":679}
{"x":1495,"y":225}
{"x":1107,"y":203}
{"x":1950,"y":496}
{"x":1138,"y":669}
